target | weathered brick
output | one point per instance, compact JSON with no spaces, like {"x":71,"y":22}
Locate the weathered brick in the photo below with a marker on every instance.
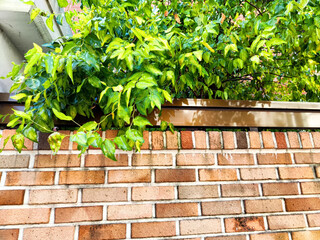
{"x":52,"y":196}
{"x":293,"y":140}
{"x":81,"y":177}
{"x":270,"y":236}
{"x":214,"y":140}
{"x":152,"y":159}
{"x":281,"y":140}
{"x":145,"y":145}
{"x":195,"y":159}
{"x":286,"y":222}
{"x":49,"y":233}
{"x":228,"y":140}
{"x":241,"y":140}
{"x":65,"y":142}
{"x":59,"y":160}
{"x":198,"y":192}
{"x":175,"y":175}
{"x":218,"y":174}
{"x":14,"y":161}
{"x":307,"y":158}
{"x":153,"y":229}
{"x":166,"y":210}
{"x":11,"y":197}
{"x":263,"y":206}
{"x":240,"y":190}
{"x":314,"y":220}
{"x":78,"y":214}
{"x":310,"y":235}
{"x":278,"y":189}
{"x":254,"y":138}
{"x":129,"y":176}
{"x":99,"y":160}
{"x":157,"y":140}
{"x":302,"y":204}
{"x":258,"y":173}
{"x":305,"y":140}
{"x":272,"y":158}
{"x":205,"y":226}
{"x":244,"y":224}
{"x":310,"y":187}
{"x":9,"y":146}
{"x":235,"y":159}
{"x":267,"y":138}
{"x":296,"y":173}
{"x":24,"y":216}
{"x":186,"y":140}
{"x":108,"y":231}
{"x":152,"y":193}
{"x":172,"y":140}
{"x":200,"y":139}
{"x":221,"y":208}
{"x":316,"y":139}
{"x":29,"y":178}
{"x":118,"y":212}
{"x":104,"y":194}
{"x":9,"y":234}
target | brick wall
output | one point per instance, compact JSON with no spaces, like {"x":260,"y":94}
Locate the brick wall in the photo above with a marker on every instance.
{"x":187,"y":185}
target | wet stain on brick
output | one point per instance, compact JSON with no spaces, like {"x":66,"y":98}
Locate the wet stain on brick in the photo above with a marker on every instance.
{"x":245,"y":224}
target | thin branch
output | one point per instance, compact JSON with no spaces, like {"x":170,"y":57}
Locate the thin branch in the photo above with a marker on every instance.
{"x":260,"y":13}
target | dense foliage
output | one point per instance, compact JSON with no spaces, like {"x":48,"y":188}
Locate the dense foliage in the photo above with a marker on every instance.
{"x":128,"y":57}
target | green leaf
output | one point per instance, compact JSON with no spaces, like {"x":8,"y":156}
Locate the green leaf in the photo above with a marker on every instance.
{"x":152,"y":69}
{"x":61,"y":115}
{"x":124,"y":113}
{"x":304,"y":3}
{"x":49,"y":22}
{"x":63,"y":3}
{"x":18,"y":141}
{"x":31,"y":134}
{"x":34,"y":59}
{"x":34,"y":13}
{"x":141,"y":122}
{"x":163,"y":125}
{"x":108,"y":148}
{"x":13,"y":122}
{"x":275,"y":41}
{"x":122,"y":143}
{"x":19,"y":96}
{"x":167,"y":96}
{"x":134,"y":135}
{"x":129,"y":62}
{"x":255,"y":59}
{"x":244,"y":55}
{"x":88,"y":126}
{"x":48,"y":61}
{"x":69,"y":68}
{"x":21,"y":114}
{"x":80,"y":138}
{"x":94,"y":81}
{"x":198,"y":54}
{"x":55,"y":140}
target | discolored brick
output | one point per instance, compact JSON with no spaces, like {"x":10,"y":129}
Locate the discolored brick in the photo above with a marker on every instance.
{"x":152,"y":159}
{"x":272,"y":158}
{"x":9,"y":146}
{"x":29,"y":178}
{"x":215,"y":140}
{"x":78,"y":214}
{"x":307,"y":158}
{"x":175,"y":175}
{"x":99,"y":160}
{"x":157,"y":140}
{"x":81,"y":177}
{"x":14,"y":161}
{"x":186,"y":140}
{"x":310,"y":235}
{"x":281,"y":140}
{"x":145,"y":145}
{"x":236,"y":237}
{"x":218,"y":174}
{"x":240,"y":190}
{"x":241,"y":140}
{"x":244,"y":224}
{"x":107,"y":231}
{"x":129,"y":176}
{"x":66,"y":140}
{"x":58,"y":160}
{"x":11,"y":197}
{"x":195,"y":159}
{"x":43,"y":141}
{"x":235,"y":159}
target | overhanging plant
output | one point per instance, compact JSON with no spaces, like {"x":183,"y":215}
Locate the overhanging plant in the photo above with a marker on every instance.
{"x":128,"y":57}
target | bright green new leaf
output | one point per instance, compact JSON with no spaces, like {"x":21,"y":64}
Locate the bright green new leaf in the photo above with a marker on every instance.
{"x":122,"y":143}
{"x":134,"y":135}
{"x":55,"y":140}
{"x":69,"y":68}
{"x":49,"y":22}
{"x":141,"y":122}
{"x":19,"y":96}
{"x":18,"y":141}
{"x":108,"y":148}
{"x":63,"y":3}
{"x":21,"y":114}
{"x":61,"y":115}
{"x":94,"y":81}
{"x":34,"y":13}
{"x":89,"y":126}
{"x":31,"y":134}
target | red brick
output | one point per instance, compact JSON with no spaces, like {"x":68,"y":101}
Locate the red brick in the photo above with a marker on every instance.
{"x":14,"y":161}
{"x":214,"y":140}
{"x":81,"y":177}
{"x":99,"y":160}
{"x":302,"y":204}
{"x":293,"y":140}
{"x":254,"y":138}
{"x":221,"y":208}
{"x":195,"y":227}
{"x":29,"y":178}
{"x":307,"y":158}
{"x":152,"y":159}
{"x":278,"y":189}
{"x":228,"y":140}
{"x":118,"y":212}
{"x":281,"y":140}
{"x":316,"y":139}
{"x":241,"y":140}
{"x":258,"y":173}
{"x":272,"y":158}
{"x":153,"y":229}
{"x":237,"y":237}
{"x":152,"y":193}
{"x":267,"y":138}
{"x":24,"y":216}
{"x":66,"y":140}
{"x":296,"y":173}
{"x":175,"y":175}
{"x":218,"y":174}
{"x":157,"y":140}
{"x":104,"y":194}
{"x":108,"y":231}
{"x":111,"y":134}
{"x":172,"y":140}
{"x":195,"y":159}
{"x":198,"y":192}
{"x":129,"y":176}
{"x":240,"y":190}
{"x":200,"y":139}
{"x":314,"y":220}
{"x":244,"y":224}
{"x":166,"y":210}
{"x":186,"y":140}
{"x":270,"y":236}
{"x":310,"y":235}
{"x":286,"y":222}
{"x":235,"y":159}
{"x":310,"y":187}
{"x":59,"y":160}
{"x":9,"y":146}
{"x":49,"y":233}
{"x":9,"y":234}
{"x":78,"y":214}
{"x":52,"y":196}
{"x":305,"y":140}
{"x":11,"y":197}
{"x":145,"y":145}
{"x":263,"y":206}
